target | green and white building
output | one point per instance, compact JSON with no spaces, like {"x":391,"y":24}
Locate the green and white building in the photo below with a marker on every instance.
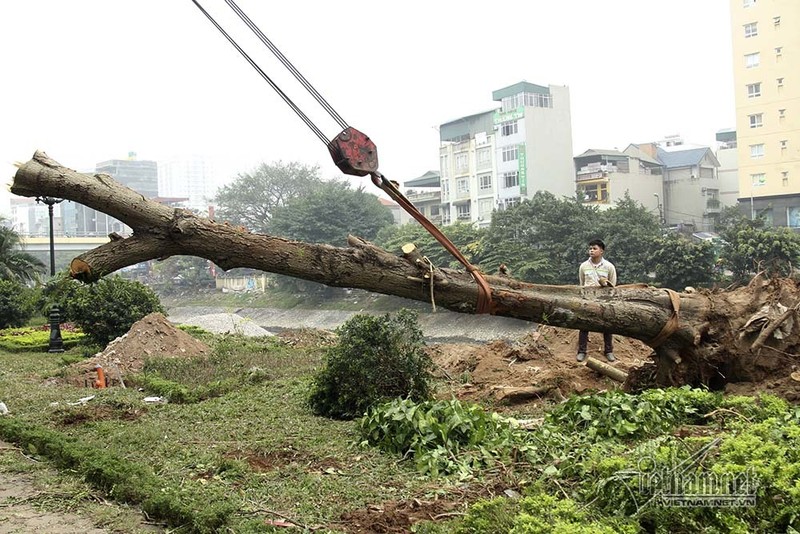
{"x":495,"y":159}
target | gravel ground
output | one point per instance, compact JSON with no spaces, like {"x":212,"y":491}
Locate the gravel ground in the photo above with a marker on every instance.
{"x":439,"y":327}
{"x":226,"y":323}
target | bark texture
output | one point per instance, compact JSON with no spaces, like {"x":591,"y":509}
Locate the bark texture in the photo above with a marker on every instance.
{"x":697,"y":337}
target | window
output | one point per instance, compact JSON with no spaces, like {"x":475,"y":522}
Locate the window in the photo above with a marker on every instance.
{"x":538,"y":100}
{"x":784,"y":144}
{"x":484,"y":158}
{"x":445,"y":190}
{"x":444,"y":165}
{"x":757,"y":120}
{"x":776,"y":21}
{"x":758,"y":179}
{"x":435,"y":210}
{"x":793,"y":216}
{"x":462,"y":186}
{"x":484,"y":182}
{"x":778,"y":51}
{"x":596,"y":192}
{"x":509,"y":128}
{"x":462,"y":212}
{"x":753,"y":90}
{"x":511,"y":202}
{"x":780,"y":82}
{"x":752,"y":60}
{"x":757,"y":151}
{"x":782,"y":113}
{"x":748,"y":3}
{"x":510,"y":179}
{"x":462,"y":162}
{"x":510,"y":153}
{"x":785,"y":177}
{"x":751,"y":29}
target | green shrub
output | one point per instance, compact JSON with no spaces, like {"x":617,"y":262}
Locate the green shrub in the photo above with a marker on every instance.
{"x":376,"y":359}
{"x":58,"y":291}
{"x":16,"y":304}
{"x":107,"y":309}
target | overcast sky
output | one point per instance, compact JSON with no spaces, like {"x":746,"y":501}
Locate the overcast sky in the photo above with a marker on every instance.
{"x":91,"y":80}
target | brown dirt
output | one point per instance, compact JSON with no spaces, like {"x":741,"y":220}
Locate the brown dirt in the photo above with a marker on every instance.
{"x":151,"y":336}
{"x":543,"y":359}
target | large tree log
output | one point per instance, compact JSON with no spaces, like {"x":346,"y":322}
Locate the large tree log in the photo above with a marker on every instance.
{"x":699,"y":344}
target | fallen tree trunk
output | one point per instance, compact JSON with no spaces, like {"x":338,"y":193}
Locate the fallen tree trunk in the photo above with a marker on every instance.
{"x":695,"y":335}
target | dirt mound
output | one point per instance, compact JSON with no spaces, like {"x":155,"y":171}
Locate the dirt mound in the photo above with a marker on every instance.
{"x":543,"y":360}
{"x":151,"y":336}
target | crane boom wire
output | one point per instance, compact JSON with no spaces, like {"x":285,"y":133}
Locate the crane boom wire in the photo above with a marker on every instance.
{"x":288,"y":64}
{"x":485,"y":303}
{"x":264,"y":75}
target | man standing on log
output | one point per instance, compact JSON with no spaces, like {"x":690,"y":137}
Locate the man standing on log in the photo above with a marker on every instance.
{"x":596,"y":272}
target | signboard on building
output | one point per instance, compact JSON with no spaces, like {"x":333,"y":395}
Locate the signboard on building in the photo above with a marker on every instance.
{"x":522,"y":158}
{"x":500,"y":117}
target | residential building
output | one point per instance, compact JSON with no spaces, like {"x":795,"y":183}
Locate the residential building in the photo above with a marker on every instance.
{"x":497,"y":158}
{"x":728,"y":172}
{"x":677,"y":182}
{"x":604,"y":177}
{"x":691,"y":187}
{"x":425,"y":192}
{"x":766,"y":50}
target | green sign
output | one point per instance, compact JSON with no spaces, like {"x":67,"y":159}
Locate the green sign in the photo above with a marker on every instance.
{"x":505,"y":116}
{"x":523,"y":170}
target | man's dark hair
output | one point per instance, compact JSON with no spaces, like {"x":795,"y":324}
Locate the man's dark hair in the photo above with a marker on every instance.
{"x":597,"y":242}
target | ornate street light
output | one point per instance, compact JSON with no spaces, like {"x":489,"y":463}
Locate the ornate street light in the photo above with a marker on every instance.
{"x":56,"y":343}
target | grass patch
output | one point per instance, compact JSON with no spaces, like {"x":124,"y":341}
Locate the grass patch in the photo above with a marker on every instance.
{"x":243,"y":447}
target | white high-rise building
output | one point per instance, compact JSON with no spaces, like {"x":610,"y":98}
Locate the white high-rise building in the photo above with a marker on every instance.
{"x":190,"y":177}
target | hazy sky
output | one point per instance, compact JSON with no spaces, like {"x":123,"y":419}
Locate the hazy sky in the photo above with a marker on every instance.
{"x":91,"y":80}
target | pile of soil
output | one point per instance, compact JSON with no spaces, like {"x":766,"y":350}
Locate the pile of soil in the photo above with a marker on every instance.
{"x":152,"y":336}
{"x":544,"y":360}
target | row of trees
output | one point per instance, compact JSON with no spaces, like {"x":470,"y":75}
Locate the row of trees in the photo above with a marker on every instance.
{"x":542,"y":240}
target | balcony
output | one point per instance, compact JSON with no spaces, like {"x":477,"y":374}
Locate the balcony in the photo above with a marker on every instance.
{"x":423,"y":196}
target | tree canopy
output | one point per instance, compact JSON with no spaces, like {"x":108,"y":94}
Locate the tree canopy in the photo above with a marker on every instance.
{"x":328,"y":213}
{"x":252,"y":198}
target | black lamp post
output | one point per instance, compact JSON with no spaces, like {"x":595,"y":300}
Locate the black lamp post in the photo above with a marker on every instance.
{"x":56,"y":343}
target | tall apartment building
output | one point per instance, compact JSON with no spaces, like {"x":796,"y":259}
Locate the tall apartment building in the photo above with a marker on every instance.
{"x":189,"y":177}
{"x":497,"y":158}
{"x":766,"y":49}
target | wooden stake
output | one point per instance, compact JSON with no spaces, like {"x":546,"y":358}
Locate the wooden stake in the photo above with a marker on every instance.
{"x":606,"y":370}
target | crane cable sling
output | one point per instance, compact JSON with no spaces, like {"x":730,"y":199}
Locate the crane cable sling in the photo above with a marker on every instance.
{"x":484,"y":303}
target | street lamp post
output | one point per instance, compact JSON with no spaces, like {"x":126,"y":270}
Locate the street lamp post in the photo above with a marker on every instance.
{"x":660,"y":211}
{"x":56,"y":343}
